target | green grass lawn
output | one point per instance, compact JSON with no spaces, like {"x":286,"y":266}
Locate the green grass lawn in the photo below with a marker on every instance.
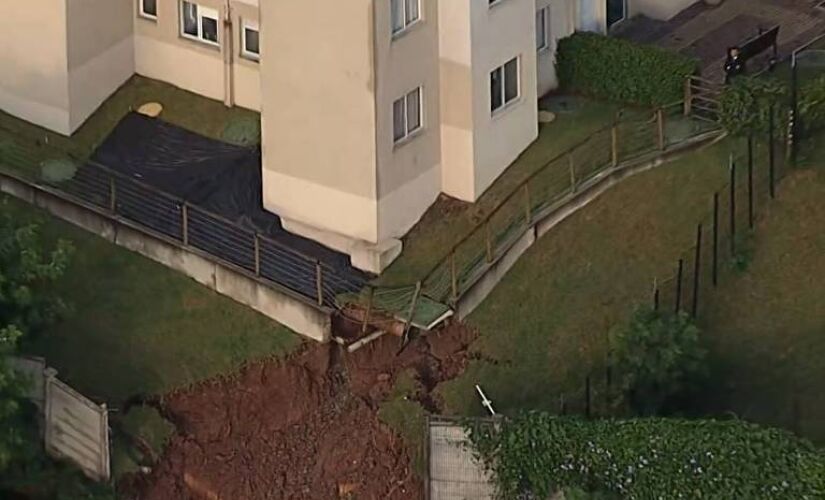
{"x":545,"y":326}
{"x":138,"y":327}
{"x":24,"y":146}
{"x":448,"y":220}
{"x":766,"y":328}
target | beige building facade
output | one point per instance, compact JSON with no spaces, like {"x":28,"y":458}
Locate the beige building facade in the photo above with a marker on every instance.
{"x":370,"y":108}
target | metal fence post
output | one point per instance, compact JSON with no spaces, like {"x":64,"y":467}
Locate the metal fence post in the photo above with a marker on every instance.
{"x":257,"y":240}
{"x":688,"y":104}
{"x":587,"y":411}
{"x":319,"y":282}
{"x":614,"y":144}
{"x":697,"y":263}
{"x":112,"y":194}
{"x":771,"y":153}
{"x":184,"y":212}
{"x":715,"y":238}
{"x":732,"y":207}
{"x":750,"y":181}
{"x":655,"y":295}
{"x":660,"y":128}
{"x":679,"y":286}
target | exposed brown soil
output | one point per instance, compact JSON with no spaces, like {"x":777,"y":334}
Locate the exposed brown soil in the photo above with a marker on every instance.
{"x":305,"y":428}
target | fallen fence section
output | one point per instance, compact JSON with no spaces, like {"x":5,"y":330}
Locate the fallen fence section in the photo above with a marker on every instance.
{"x":291,"y":309}
{"x":453,"y":471}
{"x":76,"y":429}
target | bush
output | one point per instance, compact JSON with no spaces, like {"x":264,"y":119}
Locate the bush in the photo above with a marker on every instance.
{"x":658,"y":357}
{"x":812,"y":104}
{"x":619,"y":70}
{"x":649,"y":458}
{"x":745,"y":104}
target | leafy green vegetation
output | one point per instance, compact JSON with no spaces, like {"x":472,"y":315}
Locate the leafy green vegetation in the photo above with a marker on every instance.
{"x":649,"y":458}
{"x":745,"y":105}
{"x":658,"y":357}
{"x":407,"y":418}
{"x":621,"y":71}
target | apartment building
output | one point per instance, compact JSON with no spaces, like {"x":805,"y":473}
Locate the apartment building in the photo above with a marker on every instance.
{"x":370,"y":108}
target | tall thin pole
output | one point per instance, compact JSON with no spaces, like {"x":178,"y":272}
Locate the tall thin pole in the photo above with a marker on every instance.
{"x":771,"y":154}
{"x":679,"y":285}
{"x":697,"y":264}
{"x":750,"y":181}
{"x":732,"y":207}
{"x":715,"y":238}
{"x":794,"y":111}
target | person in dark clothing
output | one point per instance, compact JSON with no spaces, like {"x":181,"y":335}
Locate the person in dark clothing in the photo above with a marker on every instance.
{"x":734,"y":64}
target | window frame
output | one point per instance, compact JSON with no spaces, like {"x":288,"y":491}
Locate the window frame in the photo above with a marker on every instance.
{"x":409,"y":134}
{"x":408,"y":23}
{"x":245,"y":52}
{"x":142,"y":11}
{"x":201,"y":12}
{"x":505,"y":104}
{"x":545,"y":17}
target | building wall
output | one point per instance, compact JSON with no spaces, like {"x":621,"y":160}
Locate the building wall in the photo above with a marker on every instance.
{"x":561,"y":23}
{"x":34,"y":71}
{"x":408,"y":172}
{"x":658,"y":9}
{"x":501,"y":32}
{"x":162,"y":53}
{"x":100,"y":53}
{"x":319,"y":115}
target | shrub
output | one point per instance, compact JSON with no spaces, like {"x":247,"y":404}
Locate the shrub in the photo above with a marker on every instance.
{"x":658,"y":357}
{"x":648,"y":458}
{"x":812,"y":104}
{"x":745,"y":104}
{"x":619,"y":70}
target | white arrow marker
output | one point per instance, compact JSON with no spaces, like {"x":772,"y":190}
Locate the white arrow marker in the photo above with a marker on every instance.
{"x":484,"y":401}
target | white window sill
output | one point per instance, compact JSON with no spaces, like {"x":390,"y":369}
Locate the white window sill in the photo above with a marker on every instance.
{"x":147,"y":17}
{"x":408,"y":138}
{"x":208,"y":43}
{"x":507,"y":107}
{"x":407,"y":29}
{"x":251,"y":56}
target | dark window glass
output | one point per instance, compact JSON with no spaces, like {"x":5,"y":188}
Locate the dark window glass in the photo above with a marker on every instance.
{"x":496,"y":99}
{"x":209,"y":29}
{"x":252,"y":42}
{"x":511,"y":80}
{"x":150,"y":7}
{"x":190,"y":19}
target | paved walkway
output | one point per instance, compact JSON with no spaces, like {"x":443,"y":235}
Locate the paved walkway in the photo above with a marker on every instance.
{"x":705,"y":32}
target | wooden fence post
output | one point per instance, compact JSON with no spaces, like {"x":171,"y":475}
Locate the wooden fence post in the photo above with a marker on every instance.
{"x":660,"y":128}
{"x":453,"y":277}
{"x":732,"y":207}
{"x":112,"y":194}
{"x":750,"y":181}
{"x":528,"y":207}
{"x":572,"y":166}
{"x":257,"y":254}
{"x":715,"y":238}
{"x":679,"y":286}
{"x":587,"y":411}
{"x":614,"y":144}
{"x":489,"y":241}
{"x":655,"y":294}
{"x":688,"y":96}
{"x":405,"y":337}
{"x":697,"y":264}
{"x":184,"y":212}
{"x":319,"y":282}
{"x":368,"y":313}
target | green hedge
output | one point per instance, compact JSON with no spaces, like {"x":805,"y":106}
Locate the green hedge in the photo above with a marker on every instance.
{"x":649,"y":458}
{"x":623,"y":71}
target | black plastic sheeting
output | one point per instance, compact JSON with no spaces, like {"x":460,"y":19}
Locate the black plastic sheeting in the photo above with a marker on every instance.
{"x":217,"y":177}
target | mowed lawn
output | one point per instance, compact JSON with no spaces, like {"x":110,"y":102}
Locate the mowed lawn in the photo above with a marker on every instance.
{"x":766,"y":327}
{"x":545,"y":327}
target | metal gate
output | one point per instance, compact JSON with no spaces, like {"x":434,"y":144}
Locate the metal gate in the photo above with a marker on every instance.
{"x":453,"y":472}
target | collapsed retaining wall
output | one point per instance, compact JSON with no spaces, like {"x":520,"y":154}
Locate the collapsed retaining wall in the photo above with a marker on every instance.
{"x":282,"y":305}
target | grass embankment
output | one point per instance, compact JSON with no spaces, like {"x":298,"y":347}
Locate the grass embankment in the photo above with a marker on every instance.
{"x":138,"y":327}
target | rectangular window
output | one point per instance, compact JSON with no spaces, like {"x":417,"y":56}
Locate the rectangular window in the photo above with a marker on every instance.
{"x":406,"y":115}
{"x":199,"y":22}
{"x":149,"y":8}
{"x":251,"y":43}
{"x":504,"y":84}
{"x":403,"y":14}
{"x":542,"y":24}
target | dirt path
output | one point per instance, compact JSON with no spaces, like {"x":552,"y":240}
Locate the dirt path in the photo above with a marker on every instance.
{"x":306,"y":428}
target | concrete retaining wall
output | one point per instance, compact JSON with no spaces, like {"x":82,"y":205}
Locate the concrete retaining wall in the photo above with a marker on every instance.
{"x":278,"y":303}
